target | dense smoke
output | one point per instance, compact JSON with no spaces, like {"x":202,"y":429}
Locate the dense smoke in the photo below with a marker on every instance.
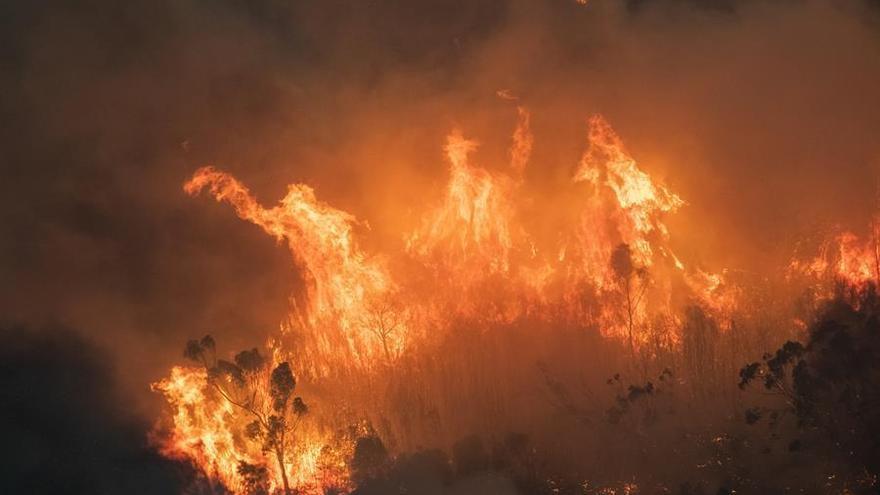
{"x":65,"y":426}
{"x":762,"y":116}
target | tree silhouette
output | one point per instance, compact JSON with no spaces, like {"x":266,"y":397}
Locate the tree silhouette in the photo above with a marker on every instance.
{"x":831,"y":383}
{"x":255,"y":478}
{"x":369,"y":459}
{"x":265,"y":396}
{"x":633,"y":282}
{"x":385,"y":320}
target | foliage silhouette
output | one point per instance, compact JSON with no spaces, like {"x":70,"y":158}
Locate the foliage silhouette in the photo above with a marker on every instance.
{"x":244,"y":384}
{"x":831,"y":383}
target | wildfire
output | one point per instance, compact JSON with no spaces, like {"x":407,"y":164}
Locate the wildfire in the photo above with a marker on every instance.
{"x":341,"y":279}
{"x":200,"y":430}
{"x":858,"y":260}
{"x":612,"y":269}
{"x":206,"y":430}
{"x":845,"y":257}
{"x":635,"y":206}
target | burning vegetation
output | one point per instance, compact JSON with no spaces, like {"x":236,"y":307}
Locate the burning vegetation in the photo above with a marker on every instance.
{"x":475,"y":326}
{"x":650,"y":265}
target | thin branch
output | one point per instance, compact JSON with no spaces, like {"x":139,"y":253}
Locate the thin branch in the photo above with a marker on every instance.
{"x":242,"y":406}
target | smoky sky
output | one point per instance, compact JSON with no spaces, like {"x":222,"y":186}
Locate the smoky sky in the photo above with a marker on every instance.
{"x":66,"y":428}
{"x":764,"y":116}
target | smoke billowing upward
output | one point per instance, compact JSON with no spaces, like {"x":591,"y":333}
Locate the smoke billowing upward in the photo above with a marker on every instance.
{"x":762,"y":116}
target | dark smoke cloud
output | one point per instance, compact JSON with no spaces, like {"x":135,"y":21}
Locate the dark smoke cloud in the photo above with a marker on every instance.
{"x":65,"y":427}
{"x":763,"y":115}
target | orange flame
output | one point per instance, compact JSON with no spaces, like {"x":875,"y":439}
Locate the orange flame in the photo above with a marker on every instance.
{"x":845,"y":258}
{"x":206,"y":430}
{"x":477,"y":260}
{"x":640,"y":200}
{"x":341,"y":279}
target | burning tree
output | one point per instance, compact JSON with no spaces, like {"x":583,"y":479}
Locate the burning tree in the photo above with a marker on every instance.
{"x":633,"y":282}
{"x":265,"y":397}
{"x":385,"y":320}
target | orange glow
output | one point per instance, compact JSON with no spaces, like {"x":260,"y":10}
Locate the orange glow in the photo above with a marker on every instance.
{"x":612,"y":269}
{"x":846,"y":258}
{"x":341,"y":279}
{"x":857,"y":262}
{"x":635,"y":208}
{"x":206,"y":431}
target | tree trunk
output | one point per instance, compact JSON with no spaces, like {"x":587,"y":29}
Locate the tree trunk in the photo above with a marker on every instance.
{"x":385,"y":346}
{"x":629,"y":314}
{"x":279,"y":454}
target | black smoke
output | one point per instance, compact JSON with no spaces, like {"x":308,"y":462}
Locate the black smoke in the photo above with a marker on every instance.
{"x":65,"y":426}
